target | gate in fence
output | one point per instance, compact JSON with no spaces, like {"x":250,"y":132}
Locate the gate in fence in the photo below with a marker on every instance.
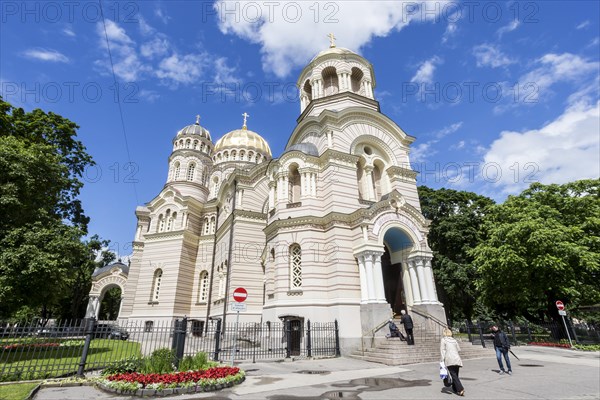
{"x":28,"y":351}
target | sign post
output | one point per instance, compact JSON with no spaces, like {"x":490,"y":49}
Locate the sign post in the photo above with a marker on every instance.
{"x":239,"y":295}
{"x":562,"y":313}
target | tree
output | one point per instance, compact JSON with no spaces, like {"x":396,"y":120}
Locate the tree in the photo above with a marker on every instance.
{"x":539,"y":247}
{"x":456,"y":220}
{"x":42,"y":223}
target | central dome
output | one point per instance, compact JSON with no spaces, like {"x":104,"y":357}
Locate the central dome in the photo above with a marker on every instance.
{"x":243,"y":140}
{"x":333,"y":50}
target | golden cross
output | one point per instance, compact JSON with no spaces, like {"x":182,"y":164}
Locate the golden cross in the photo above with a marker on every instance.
{"x":245,"y":115}
{"x":331,"y":40}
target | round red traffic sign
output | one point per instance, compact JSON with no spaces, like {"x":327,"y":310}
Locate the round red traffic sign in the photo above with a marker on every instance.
{"x":240,"y":294}
{"x":560,"y":305}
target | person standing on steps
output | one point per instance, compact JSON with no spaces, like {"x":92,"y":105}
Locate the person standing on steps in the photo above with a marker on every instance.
{"x":502,"y":346}
{"x":407,"y":321}
{"x":449,"y":349}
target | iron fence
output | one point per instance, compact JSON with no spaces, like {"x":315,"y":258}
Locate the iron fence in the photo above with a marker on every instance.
{"x":63,"y":348}
{"x":527,"y":332}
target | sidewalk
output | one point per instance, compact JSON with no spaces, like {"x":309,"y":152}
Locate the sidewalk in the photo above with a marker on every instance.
{"x":542,"y":373}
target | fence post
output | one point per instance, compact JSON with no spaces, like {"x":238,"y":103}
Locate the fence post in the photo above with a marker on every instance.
{"x":288,"y":339}
{"x":254,"y":343}
{"x":528,"y":331}
{"x":572,"y":327}
{"x":512,"y":329}
{"x":217,"y":341}
{"x":481,"y":334}
{"x":469,"y":330}
{"x":178,"y":344}
{"x":89,"y":328}
{"x":337,"y":339}
{"x":308,"y":339}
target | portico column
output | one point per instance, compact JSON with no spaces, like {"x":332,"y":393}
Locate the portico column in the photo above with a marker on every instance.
{"x":430,"y":282}
{"x":379,"y":289}
{"x":271,"y":195}
{"x":93,"y":307}
{"x":414,"y":282}
{"x":313,"y":180}
{"x":364,"y":296}
{"x":423,"y":286}
{"x":370,"y":278}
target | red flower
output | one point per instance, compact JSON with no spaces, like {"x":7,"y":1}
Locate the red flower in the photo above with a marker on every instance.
{"x":177,"y":377}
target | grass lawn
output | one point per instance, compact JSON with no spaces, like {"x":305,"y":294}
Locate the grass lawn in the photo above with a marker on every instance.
{"x":41,"y":363}
{"x":17,"y":391}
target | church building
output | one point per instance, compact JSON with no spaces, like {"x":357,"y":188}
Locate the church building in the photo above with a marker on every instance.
{"x":329,"y":230}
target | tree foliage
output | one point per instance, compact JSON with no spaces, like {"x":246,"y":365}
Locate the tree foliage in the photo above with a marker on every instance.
{"x":41,"y":163}
{"x":456,"y":220}
{"x":539,"y":247}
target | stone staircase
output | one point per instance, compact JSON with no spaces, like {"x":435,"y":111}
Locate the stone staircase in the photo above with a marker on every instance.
{"x":393,"y":351}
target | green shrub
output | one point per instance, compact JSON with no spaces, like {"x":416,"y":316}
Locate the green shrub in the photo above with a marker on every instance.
{"x":587,"y":347}
{"x":159,"y":362}
{"x":131,"y":364}
{"x":195,"y":363}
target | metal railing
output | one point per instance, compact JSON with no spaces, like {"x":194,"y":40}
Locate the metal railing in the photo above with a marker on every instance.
{"x":63,"y":348}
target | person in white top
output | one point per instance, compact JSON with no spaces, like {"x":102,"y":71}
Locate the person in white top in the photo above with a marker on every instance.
{"x":449,"y":349}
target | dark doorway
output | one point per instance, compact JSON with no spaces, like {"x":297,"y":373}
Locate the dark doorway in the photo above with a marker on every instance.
{"x":295,"y":336}
{"x":392,"y":282}
{"x":110,"y":304}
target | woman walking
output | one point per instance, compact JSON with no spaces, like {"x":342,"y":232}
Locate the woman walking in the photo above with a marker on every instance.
{"x":449,"y":349}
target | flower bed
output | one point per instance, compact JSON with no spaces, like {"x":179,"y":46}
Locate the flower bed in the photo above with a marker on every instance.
{"x":27,"y":346}
{"x":138,"y":384}
{"x":550,"y":344}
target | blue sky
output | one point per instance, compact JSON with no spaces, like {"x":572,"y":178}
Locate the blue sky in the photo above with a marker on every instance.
{"x":498,"y":94}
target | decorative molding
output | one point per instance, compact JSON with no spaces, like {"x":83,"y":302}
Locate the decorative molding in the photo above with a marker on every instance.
{"x":295,"y":292}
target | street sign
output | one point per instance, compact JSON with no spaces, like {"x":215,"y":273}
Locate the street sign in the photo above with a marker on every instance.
{"x":560,"y":305}
{"x":240,"y":294}
{"x":562,"y":312}
{"x":239,"y":307}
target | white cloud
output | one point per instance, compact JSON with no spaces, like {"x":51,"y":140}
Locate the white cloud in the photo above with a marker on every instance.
{"x":278,"y":26}
{"x":145,"y":28}
{"x":426,"y":70}
{"x":157,"y":47}
{"x":126,"y":63}
{"x":68,"y":32}
{"x":114,"y":32}
{"x":45,"y":55}
{"x":185,"y":69}
{"x":223,"y":73}
{"x":508,"y":28}
{"x":563,"y":150}
{"x":582,"y":25}
{"x":160,"y":14}
{"x":420,"y":152}
{"x":489,"y":56}
{"x":450,"y":31}
{"x":448,"y":130}
{"x":149,"y":95}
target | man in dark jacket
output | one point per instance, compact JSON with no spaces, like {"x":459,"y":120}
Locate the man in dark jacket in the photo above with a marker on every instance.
{"x":406,"y":320}
{"x":501,"y":345}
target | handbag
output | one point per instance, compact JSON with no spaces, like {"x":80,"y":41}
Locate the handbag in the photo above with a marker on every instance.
{"x":443,"y":370}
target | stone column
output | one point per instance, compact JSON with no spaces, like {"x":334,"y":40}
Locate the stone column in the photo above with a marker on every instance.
{"x":378,"y":275}
{"x":271,"y":195}
{"x":313,"y":181}
{"x":423,"y":285}
{"x":430,"y":282}
{"x":364,"y":295}
{"x":369,"y":179}
{"x":414,"y":282}
{"x":370,"y":277}
{"x":93,"y":307}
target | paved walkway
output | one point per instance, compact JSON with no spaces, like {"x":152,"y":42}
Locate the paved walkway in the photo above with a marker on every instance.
{"x":542,"y":373}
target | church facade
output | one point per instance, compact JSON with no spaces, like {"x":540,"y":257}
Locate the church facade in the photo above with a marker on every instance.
{"x":331,"y":229}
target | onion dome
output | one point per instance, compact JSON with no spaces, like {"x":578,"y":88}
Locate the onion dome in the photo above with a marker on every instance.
{"x":242,"y":145}
{"x":195,"y":129}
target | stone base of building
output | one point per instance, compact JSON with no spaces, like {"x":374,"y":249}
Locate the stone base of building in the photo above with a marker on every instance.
{"x":372,"y":315}
{"x":421,"y":312}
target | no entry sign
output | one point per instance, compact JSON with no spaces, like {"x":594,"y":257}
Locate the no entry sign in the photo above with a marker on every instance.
{"x":560,"y":305}
{"x":240,"y":294}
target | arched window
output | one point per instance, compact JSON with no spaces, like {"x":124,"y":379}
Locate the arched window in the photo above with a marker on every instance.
{"x":308,"y":90}
{"x":161,"y":223}
{"x":233,"y":155}
{"x":202,"y":147}
{"x":222,"y":279}
{"x":226,"y":156}
{"x":191,"y":171}
{"x":177,"y":171}
{"x":250,"y":156}
{"x":195,"y":145}
{"x":156,"y":285}
{"x":215,"y":186}
{"x":294,"y":180}
{"x":188,"y":143}
{"x":360,"y":173}
{"x":355,"y":79}
{"x":330,"y":81}
{"x":203,"y":288}
{"x":242,"y":155}
{"x":295,"y":266}
{"x":181,"y":143}
{"x":212,"y":225}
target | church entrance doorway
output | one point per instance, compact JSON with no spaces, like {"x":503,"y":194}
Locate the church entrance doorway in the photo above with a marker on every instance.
{"x":397,"y":244}
{"x":110,"y":304}
{"x":392,"y":282}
